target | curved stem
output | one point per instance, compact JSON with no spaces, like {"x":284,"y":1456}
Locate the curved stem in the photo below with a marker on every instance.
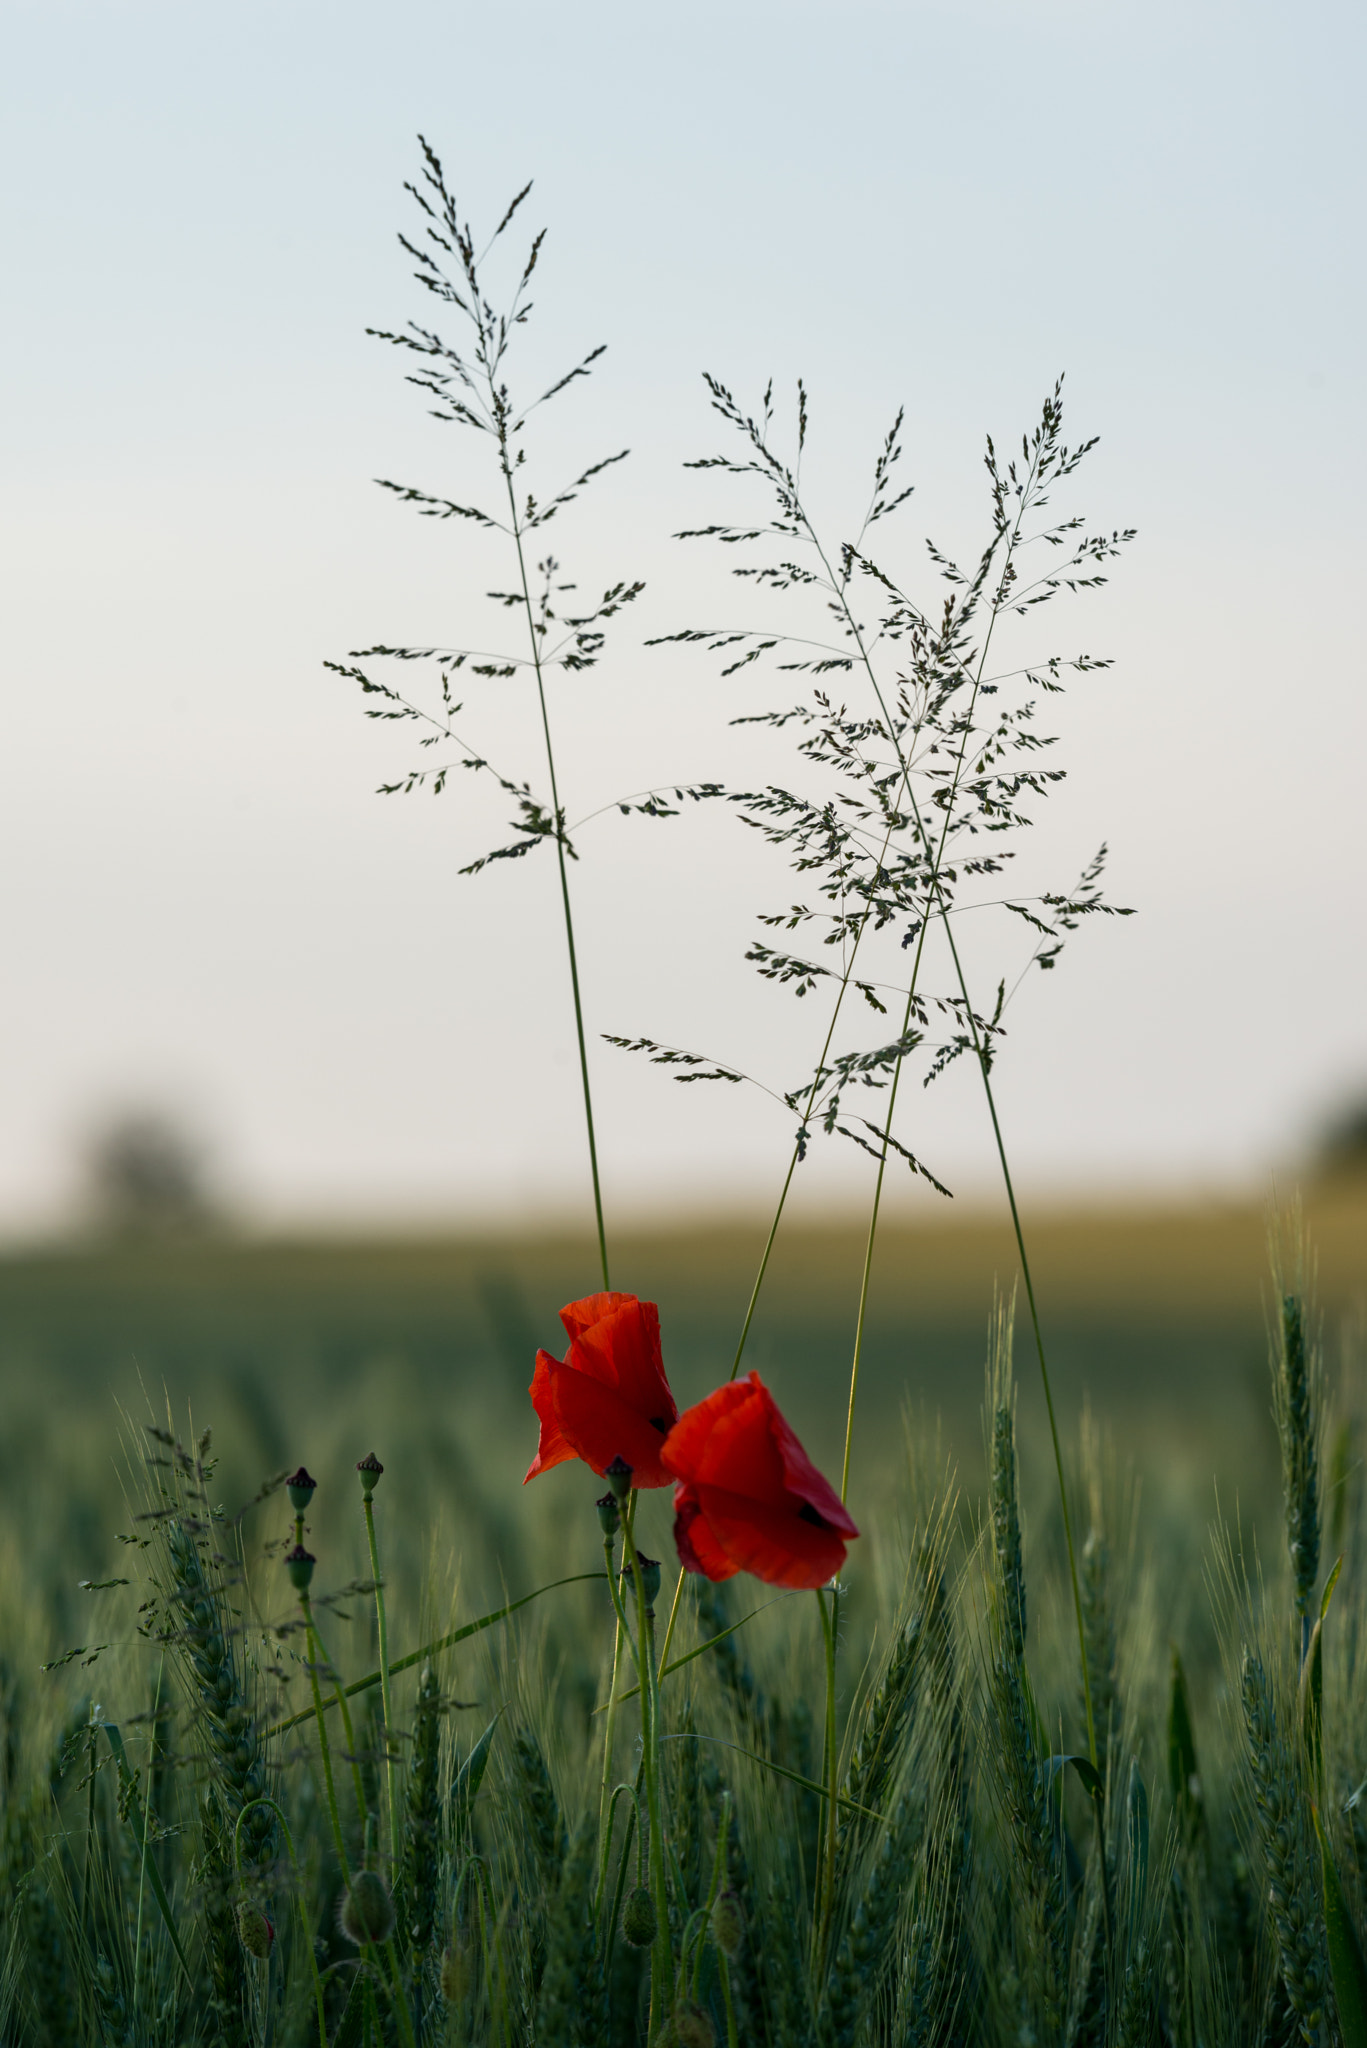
{"x":620,"y":1885}
{"x":391,"y":1777}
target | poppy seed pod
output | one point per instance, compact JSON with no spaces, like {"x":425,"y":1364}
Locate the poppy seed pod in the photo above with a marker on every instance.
{"x":299,"y":1564}
{"x":255,"y":1930}
{"x":370,"y":1469}
{"x":650,"y":1577}
{"x":728,"y":1922}
{"x":300,"y":1488}
{"x":367,"y":1913}
{"x":640,"y":1924}
{"x":609,"y":1520}
{"x":618,"y":1476}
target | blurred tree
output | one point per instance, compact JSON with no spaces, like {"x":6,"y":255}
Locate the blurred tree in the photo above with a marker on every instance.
{"x":1343,"y":1144}
{"x":146,"y":1175}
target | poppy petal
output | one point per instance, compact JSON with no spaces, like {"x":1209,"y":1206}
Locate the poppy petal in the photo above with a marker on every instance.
{"x":552,"y":1449}
{"x":579,"y":1316}
{"x":804,"y":1480}
{"x":782,"y":1547}
{"x":623,"y":1350}
{"x":698,"y":1548}
{"x":725,"y":1441}
{"x":599,"y":1425}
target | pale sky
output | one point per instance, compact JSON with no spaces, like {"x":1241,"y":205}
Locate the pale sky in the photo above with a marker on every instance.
{"x":204,"y":905}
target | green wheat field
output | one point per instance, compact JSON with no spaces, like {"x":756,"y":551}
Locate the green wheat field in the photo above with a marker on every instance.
{"x":972,"y":1909}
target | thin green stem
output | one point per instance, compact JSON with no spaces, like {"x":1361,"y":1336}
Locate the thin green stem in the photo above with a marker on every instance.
{"x":444,"y":1642}
{"x":936,"y":888}
{"x":301,"y":1916}
{"x":317,"y":1655}
{"x":391,"y":1776}
{"x":797,"y":1148}
{"x":724,"y":1971}
{"x":662,"y":1958}
{"x":604,"y":1794}
{"x":92,"y":1744}
{"x":620,"y":1885}
{"x":535,"y":640}
{"x":325,"y":1748}
{"x":348,"y":1732}
{"x":153,"y":1727}
{"x":984,"y":1066}
{"x":825,"y":1892}
{"x":867,"y":1271}
{"x":715,"y":1884}
{"x":673,"y":1617}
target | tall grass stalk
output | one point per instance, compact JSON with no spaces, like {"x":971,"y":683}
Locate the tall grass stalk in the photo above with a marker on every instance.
{"x":883,"y":796}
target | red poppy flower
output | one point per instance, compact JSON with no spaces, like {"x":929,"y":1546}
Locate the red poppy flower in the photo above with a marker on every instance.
{"x":608,"y":1397}
{"x":749,"y":1498}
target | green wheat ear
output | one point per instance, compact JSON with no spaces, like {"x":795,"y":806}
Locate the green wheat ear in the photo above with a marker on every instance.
{"x":1298,"y":1404}
{"x":1289,"y":1851}
{"x":1003,"y":1497}
{"x":572,"y":2008}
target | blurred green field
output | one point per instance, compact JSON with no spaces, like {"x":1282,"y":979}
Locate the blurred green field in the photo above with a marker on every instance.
{"x":319,"y":1351}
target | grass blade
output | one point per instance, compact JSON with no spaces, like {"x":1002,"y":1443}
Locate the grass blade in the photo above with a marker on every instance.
{"x":1345,"y":1957}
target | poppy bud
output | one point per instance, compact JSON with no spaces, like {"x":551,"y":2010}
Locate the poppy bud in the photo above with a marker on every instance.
{"x":609,"y":1521}
{"x":370,"y":1469}
{"x":255,"y":1930}
{"x":299,"y":1564}
{"x":455,"y":1972}
{"x":690,"y":2026}
{"x":300,"y":1488}
{"x":367,"y":1913}
{"x":728,"y":1922}
{"x":618,"y":1476}
{"x":639,"y":1922}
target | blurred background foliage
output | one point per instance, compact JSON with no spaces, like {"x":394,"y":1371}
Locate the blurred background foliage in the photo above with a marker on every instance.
{"x":319,"y":1351}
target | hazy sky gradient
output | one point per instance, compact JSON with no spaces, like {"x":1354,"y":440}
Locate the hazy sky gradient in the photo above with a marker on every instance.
{"x":205,"y":905}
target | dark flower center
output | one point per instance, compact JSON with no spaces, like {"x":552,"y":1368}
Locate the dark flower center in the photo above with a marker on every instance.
{"x":660,"y":1422}
{"x":807,"y":1513}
